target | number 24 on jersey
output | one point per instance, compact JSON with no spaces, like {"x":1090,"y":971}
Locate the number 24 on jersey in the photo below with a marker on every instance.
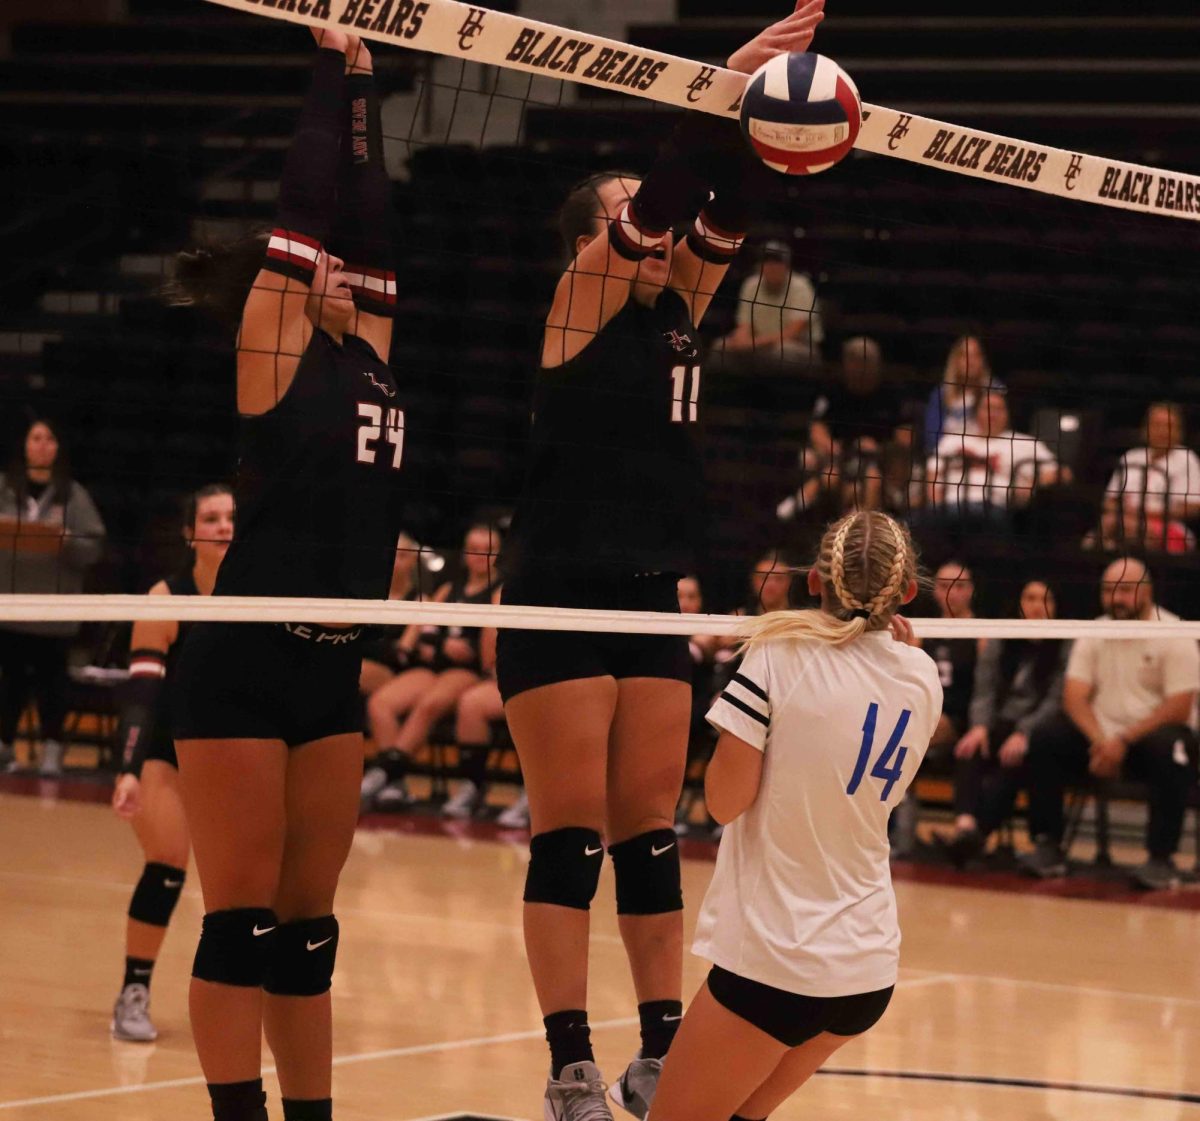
{"x":375,"y":425}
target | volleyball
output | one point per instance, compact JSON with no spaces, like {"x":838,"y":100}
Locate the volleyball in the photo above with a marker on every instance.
{"x":801,"y":113}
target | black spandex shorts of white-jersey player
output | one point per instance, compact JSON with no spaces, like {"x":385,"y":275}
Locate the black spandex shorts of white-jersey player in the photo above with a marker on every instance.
{"x":530,"y":659}
{"x":791,"y":1018}
{"x":161,"y":746}
{"x":294,"y":682}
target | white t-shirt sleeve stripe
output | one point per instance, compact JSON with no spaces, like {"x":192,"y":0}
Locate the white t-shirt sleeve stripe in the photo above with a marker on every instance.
{"x":728,"y":714}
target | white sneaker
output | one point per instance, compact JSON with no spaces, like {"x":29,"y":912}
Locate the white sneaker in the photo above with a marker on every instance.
{"x":578,"y":1094}
{"x":52,"y":757}
{"x":394,"y":796}
{"x":465,"y":803}
{"x":131,"y":1016}
{"x":517,"y":815}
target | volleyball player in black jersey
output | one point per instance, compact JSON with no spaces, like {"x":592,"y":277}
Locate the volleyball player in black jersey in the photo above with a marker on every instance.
{"x":147,"y":791}
{"x":609,"y":518}
{"x":267,"y":718}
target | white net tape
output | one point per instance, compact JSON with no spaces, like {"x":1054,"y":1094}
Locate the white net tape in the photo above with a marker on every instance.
{"x":480,"y":35}
{"x":256,"y":609}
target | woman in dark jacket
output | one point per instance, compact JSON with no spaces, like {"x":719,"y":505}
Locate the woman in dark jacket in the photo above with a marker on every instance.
{"x":1018,"y":683}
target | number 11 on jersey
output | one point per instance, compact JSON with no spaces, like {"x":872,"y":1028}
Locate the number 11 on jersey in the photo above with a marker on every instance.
{"x":685,"y":395}
{"x":883,"y":768}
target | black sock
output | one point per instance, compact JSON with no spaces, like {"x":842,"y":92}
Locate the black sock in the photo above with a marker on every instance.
{"x":474,"y":763}
{"x":138,"y":970}
{"x":660,"y":1021}
{"x":238,"y":1101}
{"x":570,"y":1039}
{"x":308,"y":1109}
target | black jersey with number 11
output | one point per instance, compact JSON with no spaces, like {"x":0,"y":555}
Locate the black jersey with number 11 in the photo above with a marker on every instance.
{"x":614,"y":480}
{"x":318,"y":490}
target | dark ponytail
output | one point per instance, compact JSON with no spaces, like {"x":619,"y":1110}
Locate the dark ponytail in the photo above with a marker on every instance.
{"x":218,"y":277}
{"x":579,"y":213}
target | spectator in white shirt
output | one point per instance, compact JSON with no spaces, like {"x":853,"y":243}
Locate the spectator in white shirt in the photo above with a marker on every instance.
{"x":1155,"y":488}
{"x":777,"y":318}
{"x":991,"y":470}
{"x":1128,"y":707}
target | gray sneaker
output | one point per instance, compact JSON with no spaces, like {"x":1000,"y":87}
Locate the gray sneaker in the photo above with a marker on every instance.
{"x":131,"y":1016}
{"x":517,"y":815}
{"x":52,"y":756}
{"x":634,"y":1090}
{"x":373,"y":781}
{"x":1046,"y":862}
{"x":467,"y":801}
{"x":577,"y":1095}
{"x":1156,"y":875}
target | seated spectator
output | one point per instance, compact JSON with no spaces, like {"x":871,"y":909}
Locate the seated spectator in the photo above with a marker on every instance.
{"x":1155,"y":489}
{"x":865,"y":413}
{"x":954,"y":401}
{"x":817,"y":497}
{"x":987,"y":473}
{"x":386,"y":654}
{"x":953,"y":591}
{"x":479,"y":709}
{"x":446,"y":663}
{"x":1127,"y":708}
{"x":770,"y":588}
{"x":703,"y":649}
{"x":1018,"y":684}
{"x":50,"y":534}
{"x":778,"y":326}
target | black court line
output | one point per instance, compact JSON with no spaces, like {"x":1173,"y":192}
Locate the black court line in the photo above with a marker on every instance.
{"x":1019,"y":1083}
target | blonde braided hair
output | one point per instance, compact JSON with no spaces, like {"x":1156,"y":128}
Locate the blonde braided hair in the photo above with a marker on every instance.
{"x":865,"y":561}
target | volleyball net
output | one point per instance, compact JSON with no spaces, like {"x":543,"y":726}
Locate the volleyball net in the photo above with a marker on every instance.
{"x":834,"y":376}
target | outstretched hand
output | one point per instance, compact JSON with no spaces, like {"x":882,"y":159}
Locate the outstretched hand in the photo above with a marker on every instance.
{"x":788,"y":36}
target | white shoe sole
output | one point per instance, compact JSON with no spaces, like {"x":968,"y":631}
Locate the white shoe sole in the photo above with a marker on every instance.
{"x":120,"y":1037}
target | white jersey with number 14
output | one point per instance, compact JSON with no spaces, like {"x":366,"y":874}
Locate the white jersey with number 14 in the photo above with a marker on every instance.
{"x":802,"y":897}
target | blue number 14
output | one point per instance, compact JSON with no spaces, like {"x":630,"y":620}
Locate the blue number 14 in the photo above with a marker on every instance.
{"x":884,"y":768}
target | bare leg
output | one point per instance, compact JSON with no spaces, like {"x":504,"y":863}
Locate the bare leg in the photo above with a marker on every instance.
{"x":716,"y":1063}
{"x":647,"y":758}
{"x":162,"y":831}
{"x":393,"y":700}
{"x":561,"y":733}
{"x":435,"y":702}
{"x":234,"y":794}
{"x":322,"y":808}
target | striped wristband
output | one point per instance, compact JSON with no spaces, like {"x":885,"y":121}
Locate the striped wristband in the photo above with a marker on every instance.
{"x":374,"y":290}
{"x":711,"y":243}
{"x":291,"y":253}
{"x":630,"y":239}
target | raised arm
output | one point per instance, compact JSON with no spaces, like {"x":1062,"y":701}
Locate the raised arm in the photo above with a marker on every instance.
{"x":362,"y":234}
{"x":736,"y":178}
{"x":275,"y":327}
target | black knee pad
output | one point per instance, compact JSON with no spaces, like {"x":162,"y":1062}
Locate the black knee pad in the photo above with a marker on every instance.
{"x":301,"y":962}
{"x":564,"y":867}
{"x":156,"y":894}
{"x":235,"y":946}
{"x":647,"y":869}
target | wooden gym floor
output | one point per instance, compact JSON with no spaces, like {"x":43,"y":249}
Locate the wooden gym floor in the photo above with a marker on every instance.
{"x":1011,"y":1007}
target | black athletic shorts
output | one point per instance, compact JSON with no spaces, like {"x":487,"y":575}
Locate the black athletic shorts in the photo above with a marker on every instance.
{"x":161,"y":746}
{"x":290,"y":682}
{"x":791,"y":1018}
{"x":529,"y":659}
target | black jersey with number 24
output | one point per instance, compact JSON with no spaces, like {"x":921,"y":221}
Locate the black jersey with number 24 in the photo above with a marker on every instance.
{"x":614,"y":480}
{"x":318,"y":494}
